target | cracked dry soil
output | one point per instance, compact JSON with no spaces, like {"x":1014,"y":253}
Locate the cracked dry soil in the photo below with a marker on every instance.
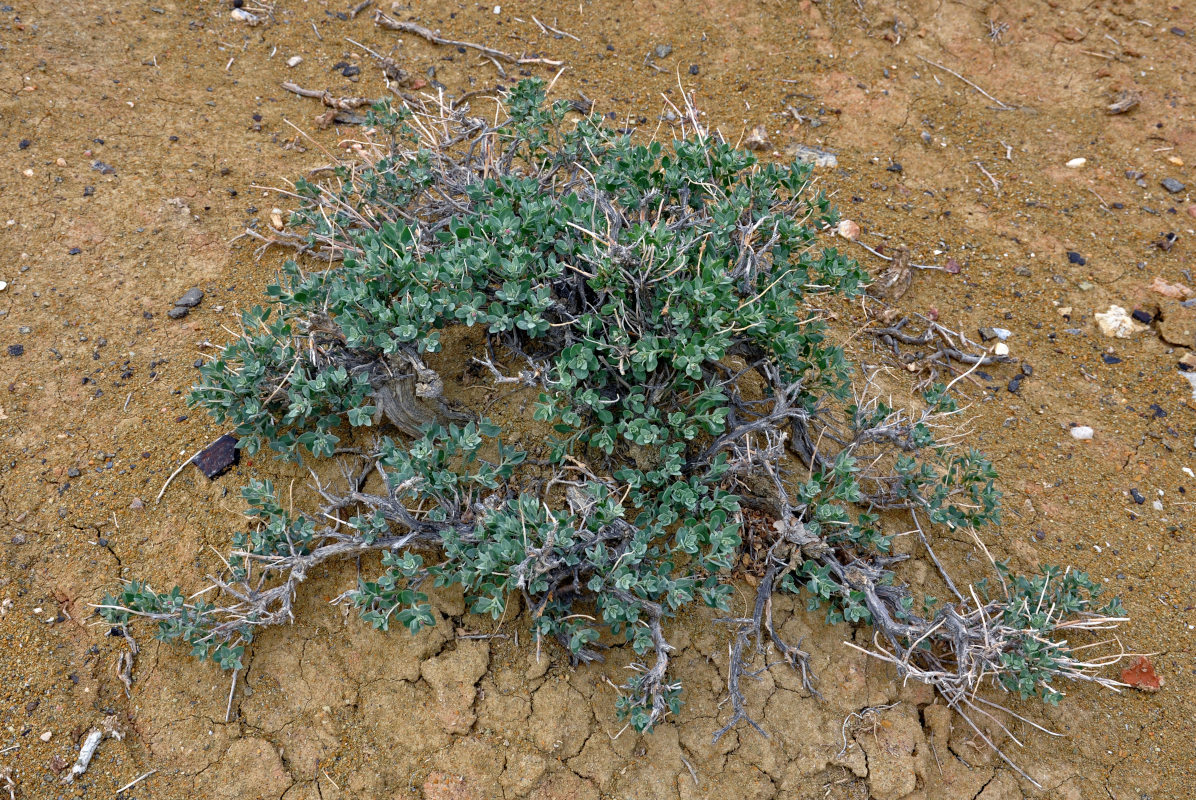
{"x":134,"y":137}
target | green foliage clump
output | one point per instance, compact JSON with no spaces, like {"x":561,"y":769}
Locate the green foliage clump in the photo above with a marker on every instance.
{"x":660,"y":303}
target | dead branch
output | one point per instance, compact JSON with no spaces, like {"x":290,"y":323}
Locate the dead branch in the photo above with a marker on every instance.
{"x":390,"y":24}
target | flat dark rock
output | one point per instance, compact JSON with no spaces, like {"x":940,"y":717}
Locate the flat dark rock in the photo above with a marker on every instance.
{"x":218,"y":456}
{"x":1172,"y":185}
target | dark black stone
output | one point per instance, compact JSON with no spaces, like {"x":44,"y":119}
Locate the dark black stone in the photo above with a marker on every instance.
{"x":1109,"y":359}
{"x":1138,"y":498}
{"x":1145,"y":317}
{"x":1015,"y":384}
{"x":894,"y":167}
{"x":15,"y":350}
{"x":1157,"y":410}
{"x":24,"y":143}
{"x":693,"y":69}
{"x":1172,"y":185}
{"x":1076,"y":258}
{"x":74,"y":251}
{"x":218,"y":456}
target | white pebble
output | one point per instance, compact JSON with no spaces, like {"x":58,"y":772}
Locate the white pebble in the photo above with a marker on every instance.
{"x":1117,"y":322}
{"x":1002,"y":333}
{"x":1076,"y":163}
{"x":294,"y":61}
{"x":3,"y":285}
{"x":241,"y":15}
{"x":1157,"y":505}
{"x":498,"y":9}
{"x":1001,"y":349}
{"x":1082,"y":432}
{"x":45,"y":737}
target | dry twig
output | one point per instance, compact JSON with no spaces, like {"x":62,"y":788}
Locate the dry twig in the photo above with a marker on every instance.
{"x":1000,"y":106}
{"x":383,"y":21}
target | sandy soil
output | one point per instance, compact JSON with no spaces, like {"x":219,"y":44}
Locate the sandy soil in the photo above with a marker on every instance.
{"x":135,"y":140}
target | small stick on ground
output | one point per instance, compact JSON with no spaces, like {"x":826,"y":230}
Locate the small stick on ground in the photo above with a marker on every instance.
{"x":1000,"y":105}
{"x":989,"y":175}
{"x":228,"y":711}
{"x":549,"y":29}
{"x":879,"y":254}
{"x":173,"y":475}
{"x":327,"y":98}
{"x":383,"y":21}
{"x":357,"y":9}
{"x":136,"y":781}
{"x":179,"y":469}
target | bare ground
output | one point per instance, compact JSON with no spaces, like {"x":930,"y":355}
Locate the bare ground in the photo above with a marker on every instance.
{"x":135,"y":140}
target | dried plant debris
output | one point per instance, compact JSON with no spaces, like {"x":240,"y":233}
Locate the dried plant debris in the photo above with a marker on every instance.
{"x":1123,"y":102}
{"x":656,"y":304}
{"x":895,"y":281}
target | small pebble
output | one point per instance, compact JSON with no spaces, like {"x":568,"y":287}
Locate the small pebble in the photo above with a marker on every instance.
{"x":662,"y":50}
{"x":3,"y":285}
{"x":693,"y":69}
{"x":1145,"y":317}
{"x":45,"y":737}
{"x":848,"y":229}
{"x":294,"y":61}
{"x":1138,"y":498}
{"x":1157,"y":505}
{"x":1172,"y":185}
{"x":241,"y":15}
{"x":1082,"y":432}
{"x":1001,"y":349}
{"x":1076,"y":163}
{"x":1076,"y":258}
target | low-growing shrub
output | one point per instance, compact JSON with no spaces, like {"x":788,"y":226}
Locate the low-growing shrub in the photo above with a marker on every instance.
{"x":661,"y":302}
